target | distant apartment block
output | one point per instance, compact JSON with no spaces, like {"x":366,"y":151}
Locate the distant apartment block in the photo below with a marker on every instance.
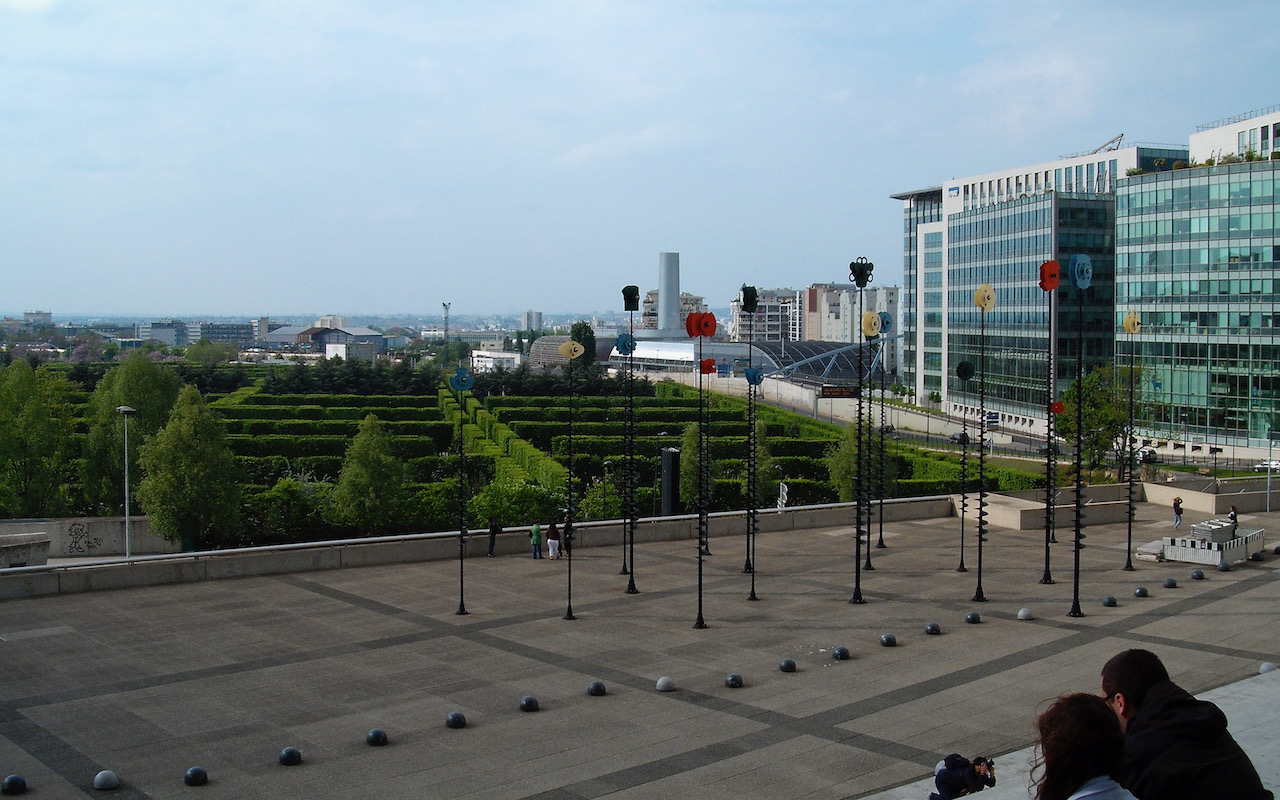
{"x":531,"y":320}
{"x":829,"y":313}
{"x":689,"y":304}
{"x":771,"y":321}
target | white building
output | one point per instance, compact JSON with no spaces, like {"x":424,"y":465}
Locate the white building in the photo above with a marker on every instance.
{"x":491,"y":360}
{"x":829,"y":312}
{"x":1257,"y":132}
{"x":771,"y":321}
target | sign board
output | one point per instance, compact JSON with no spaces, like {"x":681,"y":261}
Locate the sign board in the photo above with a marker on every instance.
{"x":831,"y":392}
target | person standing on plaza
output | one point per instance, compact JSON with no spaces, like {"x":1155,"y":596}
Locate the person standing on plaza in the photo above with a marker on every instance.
{"x":1234,"y":517}
{"x":553,"y":540}
{"x":1177,"y":513}
{"x":535,"y":539}
{"x":494,"y":529}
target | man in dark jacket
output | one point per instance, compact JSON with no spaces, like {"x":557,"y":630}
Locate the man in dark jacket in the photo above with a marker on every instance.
{"x":956,"y":777}
{"x":1176,"y":746}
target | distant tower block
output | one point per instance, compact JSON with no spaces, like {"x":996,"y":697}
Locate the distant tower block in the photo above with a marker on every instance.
{"x":668,"y":291}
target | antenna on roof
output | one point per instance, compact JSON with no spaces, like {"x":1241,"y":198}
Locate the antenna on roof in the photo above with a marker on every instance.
{"x":1112,"y":144}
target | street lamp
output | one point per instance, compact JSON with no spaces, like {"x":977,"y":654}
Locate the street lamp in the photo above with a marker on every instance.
{"x":126,"y":412}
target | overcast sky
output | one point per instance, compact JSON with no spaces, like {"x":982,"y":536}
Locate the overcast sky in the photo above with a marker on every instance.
{"x":325,"y":156}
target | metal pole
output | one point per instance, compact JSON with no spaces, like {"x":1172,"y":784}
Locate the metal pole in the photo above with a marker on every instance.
{"x":964,"y":480}
{"x":629,"y":531}
{"x":703,"y":475}
{"x":857,"y":480}
{"x":128,"y":549}
{"x":462,"y":505}
{"x":1131,"y":440}
{"x":1076,"y":611}
{"x":568,"y":515}
{"x":978,"y":595}
{"x":126,"y":412}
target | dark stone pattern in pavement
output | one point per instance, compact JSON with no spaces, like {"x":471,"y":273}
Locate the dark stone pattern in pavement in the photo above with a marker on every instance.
{"x":148,"y":681}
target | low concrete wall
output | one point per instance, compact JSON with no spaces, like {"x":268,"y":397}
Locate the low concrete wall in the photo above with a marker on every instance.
{"x":1247,"y":495}
{"x":23,"y":549}
{"x":151,"y":570}
{"x":86,"y":537}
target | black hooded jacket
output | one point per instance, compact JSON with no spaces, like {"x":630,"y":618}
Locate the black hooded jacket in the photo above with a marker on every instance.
{"x":1178,"y":747}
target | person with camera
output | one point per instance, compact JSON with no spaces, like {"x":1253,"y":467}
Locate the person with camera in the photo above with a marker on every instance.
{"x":956,"y":776}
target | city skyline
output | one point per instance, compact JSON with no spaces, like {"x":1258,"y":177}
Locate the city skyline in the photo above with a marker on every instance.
{"x":215,"y":161}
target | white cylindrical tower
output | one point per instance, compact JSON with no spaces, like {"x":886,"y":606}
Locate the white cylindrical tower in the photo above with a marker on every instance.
{"x":668,"y":291}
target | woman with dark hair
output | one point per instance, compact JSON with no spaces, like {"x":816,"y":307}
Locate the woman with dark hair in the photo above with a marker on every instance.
{"x":1081,"y":746}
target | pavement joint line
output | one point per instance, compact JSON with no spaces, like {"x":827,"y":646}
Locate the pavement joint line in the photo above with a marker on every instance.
{"x":58,"y":756}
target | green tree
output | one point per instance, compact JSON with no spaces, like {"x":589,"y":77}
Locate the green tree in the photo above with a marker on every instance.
{"x":371,"y":494}
{"x":189,"y":488}
{"x":35,"y":440}
{"x":209,"y":353}
{"x":842,"y":462}
{"x":689,"y":467}
{"x":513,"y":502}
{"x":582,"y":333}
{"x":1105,"y":413}
{"x":151,"y":391}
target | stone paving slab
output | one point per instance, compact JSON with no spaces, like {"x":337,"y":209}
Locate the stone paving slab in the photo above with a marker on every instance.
{"x":152,"y":680}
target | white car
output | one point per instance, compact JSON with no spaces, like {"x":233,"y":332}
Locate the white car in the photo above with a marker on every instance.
{"x":1268,"y":466}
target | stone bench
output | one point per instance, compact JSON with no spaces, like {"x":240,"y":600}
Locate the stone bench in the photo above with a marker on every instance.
{"x":23,"y":549}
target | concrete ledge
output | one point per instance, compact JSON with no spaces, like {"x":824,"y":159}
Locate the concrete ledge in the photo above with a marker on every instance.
{"x":23,"y":549}
{"x":152,"y":570}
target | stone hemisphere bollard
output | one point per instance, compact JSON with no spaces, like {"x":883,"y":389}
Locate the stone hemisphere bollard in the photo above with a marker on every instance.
{"x":786,"y":665}
{"x":196,"y":776}
{"x":1025,"y":614}
{"x":1224,"y":567}
{"x":665,"y":684}
{"x":733,"y":680}
{"x":376,"y":738}
{"x":840,"y":653}
{"x":1197,"y":574}
{"x":1256,"y":556}
{"x":596,"y":689}
{"x":1141,"y":591}
{"x":455,"y":720}
{"x":932,"y":629}
{"x":1109,"y":601}
{"x":106,"y":780}
{"x":14,"y":784}
{"x":290,"y":757}
{"x":1170,"y":583}
{"x":1266,"y":667}
{"x":888,"y":640}
{"x":973,"y":618}
{"x":528,"y":703}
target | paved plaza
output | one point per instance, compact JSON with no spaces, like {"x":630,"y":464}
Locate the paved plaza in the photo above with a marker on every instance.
{"x":224,"y":674}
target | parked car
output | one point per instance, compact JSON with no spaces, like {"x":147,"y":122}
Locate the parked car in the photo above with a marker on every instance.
{"x":960,"y":437}
{"x":887,"y":428}
{"x":1148,"y":455}
{"x":1046,"y":448}
{"x":1268,"y":466}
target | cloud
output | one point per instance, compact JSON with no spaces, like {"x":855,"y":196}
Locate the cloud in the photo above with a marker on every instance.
{"x":28,"y":5}
{"x":622,"y":145}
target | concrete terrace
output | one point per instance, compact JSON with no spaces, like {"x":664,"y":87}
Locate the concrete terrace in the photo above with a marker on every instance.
{"x":223,"y":674}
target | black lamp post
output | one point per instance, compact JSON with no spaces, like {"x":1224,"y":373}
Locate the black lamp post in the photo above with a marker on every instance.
{"x":570,"y":350}
{"x":700,"y":325}
{"x":1132,"y":324}
{"x":860,"y":270}
{"x":750,"y":299}
{"x":461,"y":382}
{"x":1082,"y":276}
{"x":627,"y":346}
{"x":1050,"y":278}
{"x":985,"y":299}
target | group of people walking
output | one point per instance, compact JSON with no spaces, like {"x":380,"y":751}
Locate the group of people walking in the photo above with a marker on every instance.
{"x":1144,"y":738}
{"x":557,"y":540}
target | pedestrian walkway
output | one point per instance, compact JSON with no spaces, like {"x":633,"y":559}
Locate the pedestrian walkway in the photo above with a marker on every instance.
{"x":224,"y":674}
{"x":1252,"y":705}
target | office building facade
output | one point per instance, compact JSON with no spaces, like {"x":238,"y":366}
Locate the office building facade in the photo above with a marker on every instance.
{"x":1197,"y":250}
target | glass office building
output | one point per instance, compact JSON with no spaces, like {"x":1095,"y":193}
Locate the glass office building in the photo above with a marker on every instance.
{"x":1004,"y":245}
{"x":1197,"y":250}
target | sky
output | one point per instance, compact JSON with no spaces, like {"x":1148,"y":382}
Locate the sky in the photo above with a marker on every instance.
{"x":276,"y":157}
